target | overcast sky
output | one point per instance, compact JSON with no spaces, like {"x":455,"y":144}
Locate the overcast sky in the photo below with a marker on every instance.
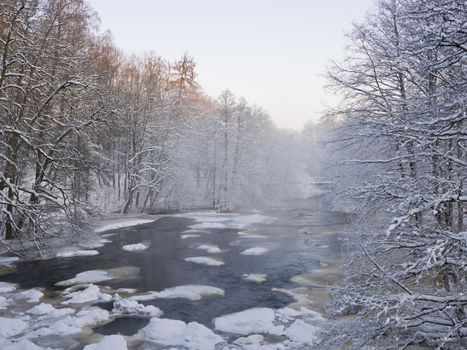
{"x":272,"y":52}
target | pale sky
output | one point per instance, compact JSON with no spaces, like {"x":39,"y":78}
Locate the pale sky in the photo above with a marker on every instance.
{"x":272,"y":52}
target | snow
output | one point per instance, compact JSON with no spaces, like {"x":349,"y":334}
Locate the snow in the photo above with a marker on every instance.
{"x":72,"y":253}
{"x":91,"y":276}
{"x":111,"y":342}
{"x":47,"y":311}
{"x":204,"y":225}
{"x":191,"y":292}
{"x":213,"y":220}
{"x":4,"y":302}
{"x":6,"y":287}
{"x":90,"y":294}
{"x":32,"y":295}
{"x":255,"y":251}
{"x":8,"y":260}
{"x":135,"y":247}
{"x":189,"y":236}
{"x":253,"y":339}
{"x":205,"y":260}
{"x":302,"y":332}
{"x":250,"y":235}
{"x":10,"y":327}
{"x":23,"y":344}
{"x":121,"y":223}
{"x":132,"y":307}
{"x":256,"y":320}
{"x":255,"y":277}
{"x":193,"y":336}
{"x":210,"y":248}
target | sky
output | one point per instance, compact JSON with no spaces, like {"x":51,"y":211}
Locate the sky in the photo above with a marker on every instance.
{"x":272,"y":52}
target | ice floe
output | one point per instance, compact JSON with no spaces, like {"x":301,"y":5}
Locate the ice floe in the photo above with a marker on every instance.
{"x":10,"y":327}
{"x":121,"y":223}
{"x":255,"y":251}
{"x":193,"y":336}
{"x":135,"y":247}
{"x":23,"y":344}
{"x":6,"y":287}
{"x":204,"y":225}
{"x":73,"y":253}
{"x":8,"y":260}
{"x":205,"y":260}
{"x":110,"y":342}
{"x":91,"y":276}
{"x":4,"y":302}
{"x":90,"y":294}
{"x":189,"y":236}
{"x":133,"y":308}
{"x":256,"y":320}
{"x":32,"y":295}
{"x":49,"y":310}
{"x":191,"y":292}
{"x":255,"y":277}
{"x":302,"y":333}
{"x":210,"y":248}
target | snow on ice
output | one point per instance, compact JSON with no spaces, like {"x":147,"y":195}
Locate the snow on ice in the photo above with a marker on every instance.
{"x":193,"y":336}
{"x":73,"y":253}
{"x":111,"y":342}
{"x":90,"y":294}
{"x":121,"y":223}
{"x":255,"y":277}
{"x":210,"y":248}
{"x":91,"y":276}
{"x":255,"y":251}
{"x":191,"y":292}
{"x":133,"y":308}
{"x":135,"y":247}
{"x":205,"y":260}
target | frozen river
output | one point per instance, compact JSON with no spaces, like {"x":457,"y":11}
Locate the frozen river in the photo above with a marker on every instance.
{"x":193,"y":267}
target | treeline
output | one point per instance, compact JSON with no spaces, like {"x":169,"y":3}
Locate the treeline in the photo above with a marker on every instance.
{"x":85,"y":127}
{"x":399,"y":139}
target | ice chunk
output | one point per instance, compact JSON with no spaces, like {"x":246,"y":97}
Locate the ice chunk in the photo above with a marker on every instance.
{"x":4,"y":302}
{"x":132,"y":307}
{"x":91,"y":276}
{"x":254,"y":339}
{"x":72,"y":253}
{"x":193,"y":336}
{"x":205,"y":260}
{"x":255,"y":277}
{"x":121,"y":223}
{"x":205,"y":225}
{"x":10,"y":327}
{"x":6,"y":287}
{"x":191,"y":292}
{"x":111,"y":342}
{"x":255,"y":251}
{"x":189,"y":236}
{"x":32,"y":295}
{"x":303,"y":333}
{"x":210,"y":248}
{"x":49,"y":310}
{"x":23,"y":344}
{"x":256,"y":320}
{"x":8,"y":260}
{"x":135,"y":247}
{"x":90,"y":294}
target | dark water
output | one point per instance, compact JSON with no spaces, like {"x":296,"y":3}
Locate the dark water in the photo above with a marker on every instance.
{"x":296,"y":241}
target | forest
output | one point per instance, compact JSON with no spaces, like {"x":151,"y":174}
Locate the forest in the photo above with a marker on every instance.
{"x":88,"y":130}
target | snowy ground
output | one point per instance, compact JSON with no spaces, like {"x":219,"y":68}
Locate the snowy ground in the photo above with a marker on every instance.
{"x":31,"y":319}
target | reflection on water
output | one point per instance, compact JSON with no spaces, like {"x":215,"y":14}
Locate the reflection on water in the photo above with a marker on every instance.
{"x":299,"y":241}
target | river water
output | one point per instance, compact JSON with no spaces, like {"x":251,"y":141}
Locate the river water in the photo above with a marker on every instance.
{"x":303,"y":252}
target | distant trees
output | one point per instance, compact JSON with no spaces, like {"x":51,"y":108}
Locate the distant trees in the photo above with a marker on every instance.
{"x":82,"y":126}
{"x":404,"y":128}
